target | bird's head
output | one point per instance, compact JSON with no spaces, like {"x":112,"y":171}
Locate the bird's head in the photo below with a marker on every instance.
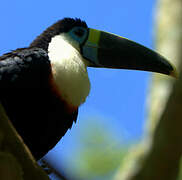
{"x":102,"y":49}
{"x":72,"y":47}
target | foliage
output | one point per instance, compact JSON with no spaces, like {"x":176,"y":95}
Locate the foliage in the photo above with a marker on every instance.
{"x":102,"y":152}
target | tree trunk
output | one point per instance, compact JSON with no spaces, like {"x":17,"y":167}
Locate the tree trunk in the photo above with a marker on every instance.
{"x":158,"y":156}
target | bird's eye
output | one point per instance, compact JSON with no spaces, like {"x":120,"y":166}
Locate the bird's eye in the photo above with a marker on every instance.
{"x":79,"y":32}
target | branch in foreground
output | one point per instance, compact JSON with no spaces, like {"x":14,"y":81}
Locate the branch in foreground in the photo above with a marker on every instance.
{"x":16,"y":153}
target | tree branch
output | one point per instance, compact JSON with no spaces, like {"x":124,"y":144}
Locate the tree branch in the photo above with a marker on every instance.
{"x":15,"y":157}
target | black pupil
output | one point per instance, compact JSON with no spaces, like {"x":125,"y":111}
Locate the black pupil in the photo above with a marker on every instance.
{"x":79,"y":32}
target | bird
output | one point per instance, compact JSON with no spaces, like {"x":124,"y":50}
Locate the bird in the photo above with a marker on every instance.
{"x":43,"y":85}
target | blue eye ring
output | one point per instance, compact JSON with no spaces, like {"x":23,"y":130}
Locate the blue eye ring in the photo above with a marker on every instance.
{"x":79,"y":32}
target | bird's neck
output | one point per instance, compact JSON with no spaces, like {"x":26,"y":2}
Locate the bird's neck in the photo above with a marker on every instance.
{"x":69,"y":71}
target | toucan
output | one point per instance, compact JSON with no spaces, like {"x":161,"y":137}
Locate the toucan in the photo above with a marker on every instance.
{"x":43,"y":85}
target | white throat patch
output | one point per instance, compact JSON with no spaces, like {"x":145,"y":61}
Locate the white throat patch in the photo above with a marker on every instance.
{"x":69,"y":70}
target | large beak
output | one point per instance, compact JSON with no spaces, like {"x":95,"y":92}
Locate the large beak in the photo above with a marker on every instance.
{"x":107,"y":50}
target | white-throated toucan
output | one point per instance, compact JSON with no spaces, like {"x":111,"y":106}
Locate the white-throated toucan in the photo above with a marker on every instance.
{"x":43,"y":85}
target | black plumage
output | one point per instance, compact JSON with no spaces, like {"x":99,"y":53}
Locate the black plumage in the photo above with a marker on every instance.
{"x":61,"y":26}
{"x":30,"y":100}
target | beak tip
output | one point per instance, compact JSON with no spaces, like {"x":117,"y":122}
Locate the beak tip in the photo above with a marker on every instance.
{"x":174,"y":73}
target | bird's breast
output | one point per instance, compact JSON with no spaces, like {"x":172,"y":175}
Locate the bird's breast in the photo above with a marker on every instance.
{"x":69,"y":71}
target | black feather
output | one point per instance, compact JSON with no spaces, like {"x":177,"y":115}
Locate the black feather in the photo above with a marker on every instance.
{"x":61,"y":26}
{"x":37,"y":113}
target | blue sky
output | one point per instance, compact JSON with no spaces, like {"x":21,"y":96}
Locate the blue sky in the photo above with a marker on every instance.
{"x":118,"y":97}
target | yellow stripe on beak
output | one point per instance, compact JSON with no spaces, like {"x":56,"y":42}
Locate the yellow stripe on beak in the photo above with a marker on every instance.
{"x":94,"y":36}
